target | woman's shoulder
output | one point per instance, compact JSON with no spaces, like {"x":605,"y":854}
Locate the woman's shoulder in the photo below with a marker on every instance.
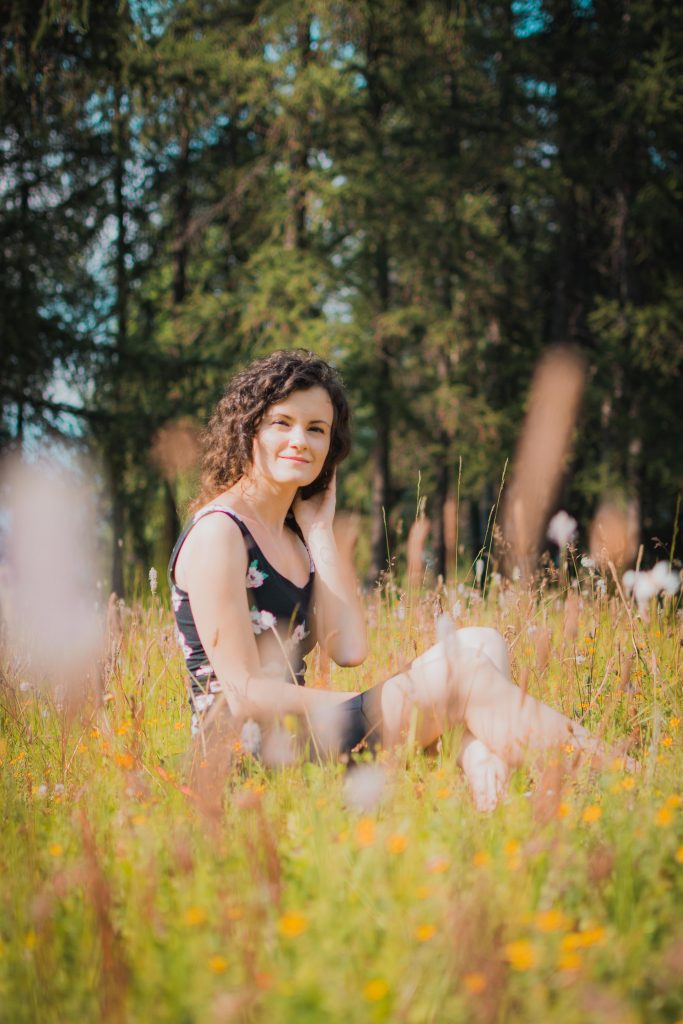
{"x":211,"y":540}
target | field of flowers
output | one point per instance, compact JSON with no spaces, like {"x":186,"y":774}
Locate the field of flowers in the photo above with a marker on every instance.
{"x":133,"y":893}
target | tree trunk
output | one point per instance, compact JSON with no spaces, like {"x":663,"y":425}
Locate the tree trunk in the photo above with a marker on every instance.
{"x":117,"y":435}
{"x":298,"y":145}
{"x":182,"y":219}
{"x":381,"y":472}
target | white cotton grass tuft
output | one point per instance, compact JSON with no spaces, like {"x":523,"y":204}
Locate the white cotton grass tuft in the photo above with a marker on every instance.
{"x":50,"y":593}
{"x":562,"y":529}
{"x":153,"y":579}
{"x":644,"y":585}
{"x":250,"y":737}
{"x":364,"y":786}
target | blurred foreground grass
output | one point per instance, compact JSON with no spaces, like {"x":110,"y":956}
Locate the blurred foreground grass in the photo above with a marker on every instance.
{"x":123,"y":900}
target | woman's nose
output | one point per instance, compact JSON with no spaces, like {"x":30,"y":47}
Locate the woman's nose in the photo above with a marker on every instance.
{"x":297,"y":437}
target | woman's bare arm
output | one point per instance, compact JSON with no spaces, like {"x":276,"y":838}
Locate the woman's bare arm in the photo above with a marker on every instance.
{"x":339,"y":616}
{"x":214,"y":566}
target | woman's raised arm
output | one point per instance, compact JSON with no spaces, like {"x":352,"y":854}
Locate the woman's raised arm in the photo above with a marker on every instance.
{"x":339,"y":616}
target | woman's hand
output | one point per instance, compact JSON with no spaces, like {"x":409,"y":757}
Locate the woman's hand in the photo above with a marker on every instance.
{"x":317,"y":511}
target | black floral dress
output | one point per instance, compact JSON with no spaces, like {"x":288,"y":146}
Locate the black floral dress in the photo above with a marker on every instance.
{"x":275,"y":605}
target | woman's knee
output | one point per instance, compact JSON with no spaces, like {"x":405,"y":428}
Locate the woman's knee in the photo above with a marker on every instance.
{"x":487,"y":641}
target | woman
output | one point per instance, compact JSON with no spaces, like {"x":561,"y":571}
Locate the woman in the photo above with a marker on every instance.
{"x":257,"y":580}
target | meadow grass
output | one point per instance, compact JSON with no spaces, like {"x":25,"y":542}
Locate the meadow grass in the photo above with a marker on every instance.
{"x":126,"y":898}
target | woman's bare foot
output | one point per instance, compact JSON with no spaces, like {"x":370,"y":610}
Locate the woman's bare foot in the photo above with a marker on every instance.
{"x":487,"y":774}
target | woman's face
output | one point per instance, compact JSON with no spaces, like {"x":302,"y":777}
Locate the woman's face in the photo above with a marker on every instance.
{"x":293,"y":439}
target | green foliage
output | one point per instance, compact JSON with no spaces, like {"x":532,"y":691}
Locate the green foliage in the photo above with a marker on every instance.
{"x":429,"y":195}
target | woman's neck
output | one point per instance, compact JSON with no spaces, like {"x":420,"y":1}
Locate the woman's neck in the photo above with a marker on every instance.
{"x":266,"y":502}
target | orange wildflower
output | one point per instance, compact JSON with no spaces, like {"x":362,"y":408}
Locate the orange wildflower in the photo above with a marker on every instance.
{"x":375,"y":989}
{"x":292,"y":924}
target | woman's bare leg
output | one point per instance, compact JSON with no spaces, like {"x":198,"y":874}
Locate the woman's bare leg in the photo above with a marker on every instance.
{"x":486,"y":773}
{"x":457,"y":681}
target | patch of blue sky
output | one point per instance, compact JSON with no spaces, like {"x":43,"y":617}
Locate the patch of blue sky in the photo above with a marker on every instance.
{"x":531,"y":17}
{"x":150,"y":16}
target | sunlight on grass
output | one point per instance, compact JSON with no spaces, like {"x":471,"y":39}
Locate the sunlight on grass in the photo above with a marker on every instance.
{"x":127,"y":897}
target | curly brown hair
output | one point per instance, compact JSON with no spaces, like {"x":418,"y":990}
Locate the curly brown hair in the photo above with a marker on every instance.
{"x":229,"y":437}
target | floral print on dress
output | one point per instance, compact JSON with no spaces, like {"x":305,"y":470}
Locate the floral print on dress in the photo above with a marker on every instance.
{"x":184,"y":646}
{"x":299,"y":633}
{"x":255,"y":576}
{"x":262,"y":620}
{"x":202,"y":701}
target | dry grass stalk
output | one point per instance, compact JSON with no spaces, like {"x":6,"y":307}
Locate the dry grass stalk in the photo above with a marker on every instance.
{"x":114,"y":967}
{"x":417,"y":537}
{"x":555,"y":394}
{"x":543,"y":645}
{"x":571,"y":617}
{"x":176,"y":448}
{"x":614,"y":534}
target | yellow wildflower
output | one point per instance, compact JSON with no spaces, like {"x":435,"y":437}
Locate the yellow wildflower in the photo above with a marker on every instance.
{"x":551,"y":921}
{"x":481,"y":858}
{"x":365,"y":831}
{"x":592,"y":813}
{"x":582,"y":940}
{"x":666,"y":741}
{"x":423,"y":892}
{"x":628,"y":783}
{"x":425,"y":932}
{"x":564,"y":810}
{"x":673,"y":801}
{"x":55,"y":850}
{"x":674,"y":723}
{"x":679,"y":854}
{"x":397,"y":842}
{"x":521,"y":955}
{"x":569,"y":960}
{"x":218,"y":964}
{"x":292,"y":924}
{"x":194,"y":916}
{"x":664,"y":817}
{"x":375,"y":989}
{"x":125,"y":761}
{"x":474,"y":982}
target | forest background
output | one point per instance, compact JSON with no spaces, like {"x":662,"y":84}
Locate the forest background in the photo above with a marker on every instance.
{"x":429,"y":194}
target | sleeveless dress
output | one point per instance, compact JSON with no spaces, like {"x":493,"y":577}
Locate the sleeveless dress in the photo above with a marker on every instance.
{"x":275,"y":603}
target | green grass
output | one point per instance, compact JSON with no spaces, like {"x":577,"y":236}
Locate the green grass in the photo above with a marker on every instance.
{"x":125,"y":897}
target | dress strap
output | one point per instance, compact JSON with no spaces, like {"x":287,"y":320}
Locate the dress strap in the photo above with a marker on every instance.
{"x":244,"y":530}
